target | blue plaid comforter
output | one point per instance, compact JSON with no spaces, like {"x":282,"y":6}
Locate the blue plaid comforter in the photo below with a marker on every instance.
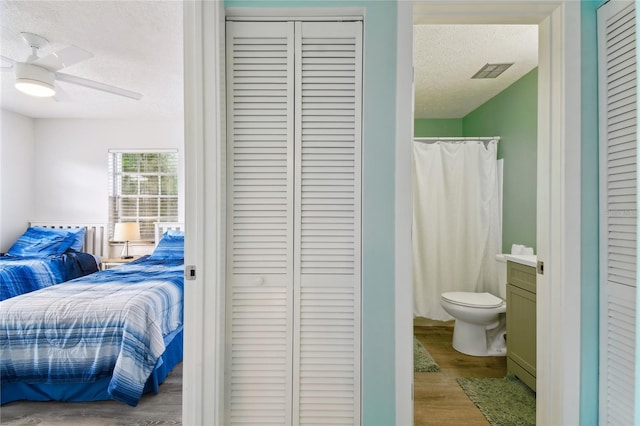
{"x":109,"y":324}
{"x":19,"y":275}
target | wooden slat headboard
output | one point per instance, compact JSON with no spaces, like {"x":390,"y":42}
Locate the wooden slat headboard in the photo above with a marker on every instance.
{"x":96,"y":240}
{"x":162,"y":227}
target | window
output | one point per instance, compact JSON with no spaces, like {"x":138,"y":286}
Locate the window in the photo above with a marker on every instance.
{"x":143,"y":188}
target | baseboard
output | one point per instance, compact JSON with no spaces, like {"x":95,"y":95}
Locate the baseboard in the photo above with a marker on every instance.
{"x":426,"y":322}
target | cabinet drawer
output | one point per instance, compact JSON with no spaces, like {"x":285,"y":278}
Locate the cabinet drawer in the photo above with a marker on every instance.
{"x":521,"y":276}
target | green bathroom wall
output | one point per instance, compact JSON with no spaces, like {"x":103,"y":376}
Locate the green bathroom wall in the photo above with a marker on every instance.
{"x":513,"y":115}
{"x":589,"y":222}
{"x":378,"y":200}
{"x":445,"y":127}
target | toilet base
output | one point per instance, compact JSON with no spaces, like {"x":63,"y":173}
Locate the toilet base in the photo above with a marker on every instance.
{"x":476,"y":340}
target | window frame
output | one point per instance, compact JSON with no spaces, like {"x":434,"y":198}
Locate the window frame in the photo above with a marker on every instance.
{"x":115,"y":184}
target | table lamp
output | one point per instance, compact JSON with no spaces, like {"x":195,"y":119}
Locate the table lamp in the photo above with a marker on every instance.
{"x":126,"y":231}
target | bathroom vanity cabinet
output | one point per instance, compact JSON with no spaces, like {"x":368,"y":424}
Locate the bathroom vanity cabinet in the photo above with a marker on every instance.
{"x":521,"y":322}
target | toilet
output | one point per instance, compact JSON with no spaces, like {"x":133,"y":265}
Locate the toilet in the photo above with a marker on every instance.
{"x":480,"y":325}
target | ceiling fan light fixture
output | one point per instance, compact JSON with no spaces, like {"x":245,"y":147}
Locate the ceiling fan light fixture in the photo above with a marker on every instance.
{"x":34,"y":80}
{"x":35,"y":88}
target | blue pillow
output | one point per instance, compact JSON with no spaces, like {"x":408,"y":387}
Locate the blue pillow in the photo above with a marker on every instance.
{"x":171,"y":246}
{"x":77,"y":239}
{"x":75,"y":236}
{"x":41,"y":242}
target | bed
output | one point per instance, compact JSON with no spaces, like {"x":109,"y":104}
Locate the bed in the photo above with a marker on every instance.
{"x":115,"y":334}
{"x":50,"y":253}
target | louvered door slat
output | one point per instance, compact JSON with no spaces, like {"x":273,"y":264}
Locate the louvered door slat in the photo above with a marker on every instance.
{"x":327,"y":306}
{"x":259,"y":214}
{"x":618,"y":141}
{"x":622,"y":153}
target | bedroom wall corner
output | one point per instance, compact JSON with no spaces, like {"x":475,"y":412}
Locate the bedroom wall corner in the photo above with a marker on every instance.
{"x":71,"y":163}
{"x":17,"y":148}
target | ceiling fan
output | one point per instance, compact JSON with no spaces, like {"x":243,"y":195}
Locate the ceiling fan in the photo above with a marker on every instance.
{"x":36,"y":75}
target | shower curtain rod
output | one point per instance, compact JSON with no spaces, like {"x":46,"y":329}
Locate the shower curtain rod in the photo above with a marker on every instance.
{"x":435,"y":139}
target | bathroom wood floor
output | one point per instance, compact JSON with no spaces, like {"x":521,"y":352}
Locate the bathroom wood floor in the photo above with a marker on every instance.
{"x":438,"y":399}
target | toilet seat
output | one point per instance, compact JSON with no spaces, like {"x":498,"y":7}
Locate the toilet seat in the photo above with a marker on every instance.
{"x":475,"y":300}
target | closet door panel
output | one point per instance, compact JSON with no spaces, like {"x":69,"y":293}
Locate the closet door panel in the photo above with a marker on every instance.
{"x":293,"y":206}
{"x":260,"y":228}
{"x":327,"y":227}
{"x":618,"y":218}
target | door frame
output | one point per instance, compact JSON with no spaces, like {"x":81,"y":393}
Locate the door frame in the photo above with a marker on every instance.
{"x":204,"y":297}
{"x":558,"y":228}
{"x":558,"y":193}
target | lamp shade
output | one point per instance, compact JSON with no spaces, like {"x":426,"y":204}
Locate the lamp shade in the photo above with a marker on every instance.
{"x":126,"y":231}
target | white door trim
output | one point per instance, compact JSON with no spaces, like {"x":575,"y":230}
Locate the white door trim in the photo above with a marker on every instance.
{"x":404,"y":217}
{"x":558,"y":212}
{"x":203,"y":371}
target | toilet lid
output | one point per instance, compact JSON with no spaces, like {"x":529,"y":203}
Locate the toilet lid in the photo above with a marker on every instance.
{"x":479,"y":300}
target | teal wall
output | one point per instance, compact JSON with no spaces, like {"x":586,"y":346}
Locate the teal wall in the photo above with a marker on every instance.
{"x":378,"y":201}
{"x":513,"y":115}
{"x":437,"y":127}
{"x":589,"y":336}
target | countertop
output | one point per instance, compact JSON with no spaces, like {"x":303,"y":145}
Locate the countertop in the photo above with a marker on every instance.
{"x":523,"y":259}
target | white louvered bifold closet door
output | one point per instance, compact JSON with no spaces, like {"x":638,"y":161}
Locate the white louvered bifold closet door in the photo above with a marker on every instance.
{"x":293,"y":234}
{"x":259,"y":216}
{"x":618,"y":242}
{"x":327,"y":231}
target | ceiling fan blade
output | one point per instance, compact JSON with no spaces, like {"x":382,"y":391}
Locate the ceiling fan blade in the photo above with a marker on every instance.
{"x":61,"y":95}
{"x":98,"y":86}
{"x":10,"y":61}
{"x":63,"y":58}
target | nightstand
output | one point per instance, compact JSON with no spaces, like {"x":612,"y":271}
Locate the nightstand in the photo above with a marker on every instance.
{"x":115,"y":261}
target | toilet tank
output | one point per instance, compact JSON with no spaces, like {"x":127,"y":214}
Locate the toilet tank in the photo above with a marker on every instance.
{"x":501,"y":269}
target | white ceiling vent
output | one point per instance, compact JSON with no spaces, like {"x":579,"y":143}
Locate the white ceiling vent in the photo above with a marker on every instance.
{"x":491,"y":70}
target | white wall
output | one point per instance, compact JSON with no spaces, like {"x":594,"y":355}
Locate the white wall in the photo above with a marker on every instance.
{"x":71,"y":163}
{"x":17,"y":145}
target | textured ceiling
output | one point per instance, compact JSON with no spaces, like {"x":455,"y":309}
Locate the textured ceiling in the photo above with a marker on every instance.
{"x":136,"y":46}
{"x":446,"y":56}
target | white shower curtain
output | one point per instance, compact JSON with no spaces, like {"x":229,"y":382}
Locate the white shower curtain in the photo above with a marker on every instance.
{"x":456,"y":221}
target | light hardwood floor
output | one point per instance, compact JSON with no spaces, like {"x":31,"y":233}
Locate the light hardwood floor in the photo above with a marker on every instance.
{"x":165,"y":408}
{"x":438,"y":399}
